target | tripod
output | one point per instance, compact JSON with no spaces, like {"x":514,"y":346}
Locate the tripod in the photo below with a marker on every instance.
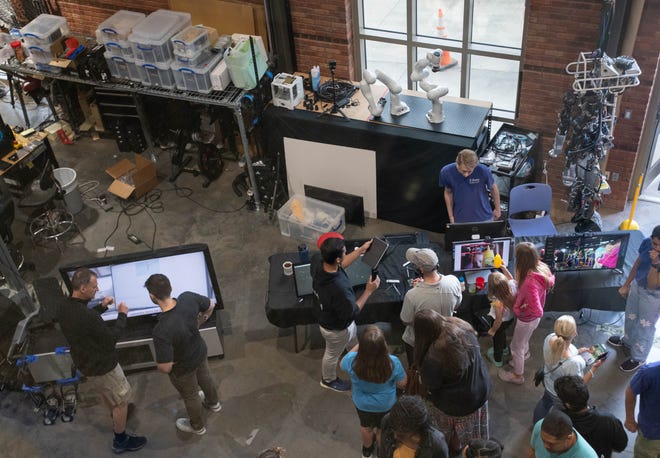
{"x":333,"y":86}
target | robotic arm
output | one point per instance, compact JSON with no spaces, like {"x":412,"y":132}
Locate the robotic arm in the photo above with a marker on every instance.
{"x":397,"y":107}
{"x":433,"y":92}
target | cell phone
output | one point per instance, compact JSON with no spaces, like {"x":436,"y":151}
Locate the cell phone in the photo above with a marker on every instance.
{"x":374,"y":274}
{"x":595,"y":353}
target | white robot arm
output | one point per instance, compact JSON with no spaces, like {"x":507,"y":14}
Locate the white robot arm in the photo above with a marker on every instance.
{"x":397,"y":107}
{"x":433,"y":92}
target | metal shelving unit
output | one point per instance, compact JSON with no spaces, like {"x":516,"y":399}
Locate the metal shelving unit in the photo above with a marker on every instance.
{"x":229,"y":98}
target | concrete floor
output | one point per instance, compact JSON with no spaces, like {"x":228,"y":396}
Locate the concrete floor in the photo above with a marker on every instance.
{"x":270,"y":394}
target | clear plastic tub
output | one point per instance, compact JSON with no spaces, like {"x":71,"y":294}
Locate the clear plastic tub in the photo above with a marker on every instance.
{"x":150,"y":39}
{"x":41,"y":55}
{"x":307,"y":219}
{"x":118,"y":26}
{"x":155,"y":74}
{"x":192,"y":40}
{"x":119,"y":48}
{"x":196,"y":78}
{"x":122,"y":67}
{"x":202,"y":56}
{"x":43,"y":30}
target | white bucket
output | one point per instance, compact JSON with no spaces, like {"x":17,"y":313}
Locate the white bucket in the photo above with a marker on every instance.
{"x":66,"y":177}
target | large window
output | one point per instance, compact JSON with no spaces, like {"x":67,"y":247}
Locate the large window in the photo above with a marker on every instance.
{"x":483,"y":39}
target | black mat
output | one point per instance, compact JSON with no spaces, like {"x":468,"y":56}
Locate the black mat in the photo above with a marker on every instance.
{"x":460,"y":118}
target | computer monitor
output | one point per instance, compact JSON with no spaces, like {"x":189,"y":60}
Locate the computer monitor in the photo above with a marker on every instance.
{"x":188,"y":267}
{"x":587,"y":251}
{"x":461,"y":232}
{"x":480,"y":254}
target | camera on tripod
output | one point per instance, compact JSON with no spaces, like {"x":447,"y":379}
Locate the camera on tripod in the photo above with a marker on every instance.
{"x":332,"y":64}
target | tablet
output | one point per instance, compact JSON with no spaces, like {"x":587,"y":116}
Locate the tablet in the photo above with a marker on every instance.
{"x":375,"y":252}
{"x":358,"y":274}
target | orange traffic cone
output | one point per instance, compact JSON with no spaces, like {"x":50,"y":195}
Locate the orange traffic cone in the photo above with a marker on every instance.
{"x":446,"y":60}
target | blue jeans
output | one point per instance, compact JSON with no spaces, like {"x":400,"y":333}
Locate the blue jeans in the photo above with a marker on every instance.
{"x":642,"y":313}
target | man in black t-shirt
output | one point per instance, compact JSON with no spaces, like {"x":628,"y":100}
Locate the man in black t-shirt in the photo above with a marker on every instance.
{"x":92,"y":344}
{"x":338,"y":304}
{"x":181,"y":351}
{"x":603,"y":431}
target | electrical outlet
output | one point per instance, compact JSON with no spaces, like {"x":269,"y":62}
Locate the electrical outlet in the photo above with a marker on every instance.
{"x":627,"y":114}
{"x":607,"y":175}
{"x":615,"y":176}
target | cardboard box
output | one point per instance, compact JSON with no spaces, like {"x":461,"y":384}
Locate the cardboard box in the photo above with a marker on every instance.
{"x":132,"y":178}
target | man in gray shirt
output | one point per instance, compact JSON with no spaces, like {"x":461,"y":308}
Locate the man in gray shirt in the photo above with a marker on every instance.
{"x":433,"y":291}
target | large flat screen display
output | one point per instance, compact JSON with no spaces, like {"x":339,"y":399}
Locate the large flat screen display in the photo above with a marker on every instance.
{"x":480,"y":254}
{"x":189,"y":268}
{"x":462,"y":232}
{"x":588,"y":251}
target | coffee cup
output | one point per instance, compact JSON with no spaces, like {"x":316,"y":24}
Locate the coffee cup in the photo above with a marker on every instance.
{"x":287,"y":267}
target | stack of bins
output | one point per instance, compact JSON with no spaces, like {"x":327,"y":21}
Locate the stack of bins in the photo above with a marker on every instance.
{"x":39,"y":36}
{"x":194,"y":58}
{"x":113,"y":33}
{"x":152,"y":47}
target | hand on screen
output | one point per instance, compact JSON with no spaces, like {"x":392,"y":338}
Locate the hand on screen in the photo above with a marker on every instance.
{"x":365,"y":246}
{"x":107,"y":302}
{"x":122,"y":307}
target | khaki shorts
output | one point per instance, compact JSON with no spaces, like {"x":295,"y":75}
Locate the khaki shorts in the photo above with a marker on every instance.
{"x":112,"y":386}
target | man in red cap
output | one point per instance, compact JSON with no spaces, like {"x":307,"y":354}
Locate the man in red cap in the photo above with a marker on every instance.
{"x":338,"y":303}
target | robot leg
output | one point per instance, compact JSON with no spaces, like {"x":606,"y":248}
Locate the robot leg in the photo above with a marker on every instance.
{"x":69,"y":400}
{"x":52,"y":410}
{"x":375,"y":108}
{"x":436,"y":114}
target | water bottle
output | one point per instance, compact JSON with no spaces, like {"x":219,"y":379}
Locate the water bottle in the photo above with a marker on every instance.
{"x":303,"y":253}
{"x":462,"y":280}
{"x":315,"y":76}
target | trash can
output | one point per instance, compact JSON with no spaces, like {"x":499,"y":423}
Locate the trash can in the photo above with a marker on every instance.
{"x":66,"y":177}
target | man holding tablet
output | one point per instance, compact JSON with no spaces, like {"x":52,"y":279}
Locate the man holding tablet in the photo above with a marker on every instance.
{"x":338,"y":304}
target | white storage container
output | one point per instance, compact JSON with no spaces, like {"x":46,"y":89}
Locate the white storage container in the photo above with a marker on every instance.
{"x":44,"y":30}
{"x":118,"y":26}
{"x":155,"y":74}
{"x":190,"y":41}
{"x":241,"y":64}
{"x":220,"y":76}
{"x":119,"y":48}
{"x":196,"y":78}
{"x":122,"y":67}
{"x":150,"y":39}
{"x":307,"y":219}
{"x":41,"y":55}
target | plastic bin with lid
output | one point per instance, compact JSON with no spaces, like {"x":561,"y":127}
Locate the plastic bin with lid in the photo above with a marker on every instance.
{"x":150,"y":39}
{"x":44,"y":29}
{"x":155,"y":74}
{"x":307,"y":219}
{"x":196,"y":59}
{"x":119,"y":48}
{"x":196,"y":78}
{"x":41,"y":55}
{"x":191,"y":40}
{"x":122,"y":67}
{"x":118,"y":26}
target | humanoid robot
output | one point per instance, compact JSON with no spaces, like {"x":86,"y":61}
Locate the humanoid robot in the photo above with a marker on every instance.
{"x":397,"y":107}
{"x":433,"y":92}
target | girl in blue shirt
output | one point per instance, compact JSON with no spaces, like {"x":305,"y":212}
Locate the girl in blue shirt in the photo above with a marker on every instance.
{"x":375,"y":375}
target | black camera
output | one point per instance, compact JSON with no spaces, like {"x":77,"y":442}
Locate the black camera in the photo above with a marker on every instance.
{"x":332,"y":64}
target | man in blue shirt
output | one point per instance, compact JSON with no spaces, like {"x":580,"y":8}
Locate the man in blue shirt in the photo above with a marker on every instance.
{"x":467,"y":184}
{"x":646,"y":385}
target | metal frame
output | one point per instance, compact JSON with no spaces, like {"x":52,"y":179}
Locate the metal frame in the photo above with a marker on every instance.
{"x":229,"y":98}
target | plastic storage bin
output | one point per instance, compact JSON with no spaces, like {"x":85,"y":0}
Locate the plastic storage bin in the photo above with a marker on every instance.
{"x":44,"y":30}
{"x":41,"y":55}
{"x":195,"y":60}
{"x":307,"y":219}
{"x":196,"y":78}
{"x":150,"y":39}
{"x":119,"y":48}
{"x":155,"y":74}
{"x":122,"y":67}
{"x":241,"y":66}
{"x":118,"y":26}
{"x":191,"y":40}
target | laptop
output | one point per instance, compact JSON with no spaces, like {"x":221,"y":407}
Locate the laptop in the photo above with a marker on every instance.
{"x":358,"y":274}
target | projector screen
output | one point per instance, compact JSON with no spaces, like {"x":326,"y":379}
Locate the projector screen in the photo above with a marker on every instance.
{"x":189,"y":268}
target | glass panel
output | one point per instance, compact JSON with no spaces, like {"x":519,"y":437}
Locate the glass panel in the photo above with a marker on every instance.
{"x":452,"y":19}
{"x":449,"y":77}
{"x":389,"y":59}
{"x":494,"y":80}
{"x":387,"y":15}
{"x":498,"y":23}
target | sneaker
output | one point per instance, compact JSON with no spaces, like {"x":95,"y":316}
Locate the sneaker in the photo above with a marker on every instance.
{"x":527,"y":356}
{"x":616,"y":341}
{"x":490,"y":353}
{"x":337,"y":385}
{"x":217,"y":407}
{"x":506,"y":352}
{"x":630,"y":365}
{"x":183,"y":424}
{"x":510,"y":377}
{"x":130,"y":444}
{"x":367,"y":452}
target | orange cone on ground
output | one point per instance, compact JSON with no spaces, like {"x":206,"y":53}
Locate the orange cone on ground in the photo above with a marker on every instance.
{"x":445,"y":61}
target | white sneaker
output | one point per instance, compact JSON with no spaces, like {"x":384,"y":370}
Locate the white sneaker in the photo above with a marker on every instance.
{"x":217,"y":407}
{"x":183,"y":424}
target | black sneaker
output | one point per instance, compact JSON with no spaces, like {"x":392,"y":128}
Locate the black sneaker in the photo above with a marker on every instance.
{"x":630,"y":365}
{"x":130,"y":444}
{"x":337,"y":385}
{"x":616,"y":341}
{"x":367,"y":452}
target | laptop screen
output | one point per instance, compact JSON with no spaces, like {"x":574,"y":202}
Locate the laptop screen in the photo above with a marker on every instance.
{"x":358,"y":274}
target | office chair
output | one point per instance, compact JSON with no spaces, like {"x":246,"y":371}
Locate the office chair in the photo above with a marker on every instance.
{"x":531,"y":197}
